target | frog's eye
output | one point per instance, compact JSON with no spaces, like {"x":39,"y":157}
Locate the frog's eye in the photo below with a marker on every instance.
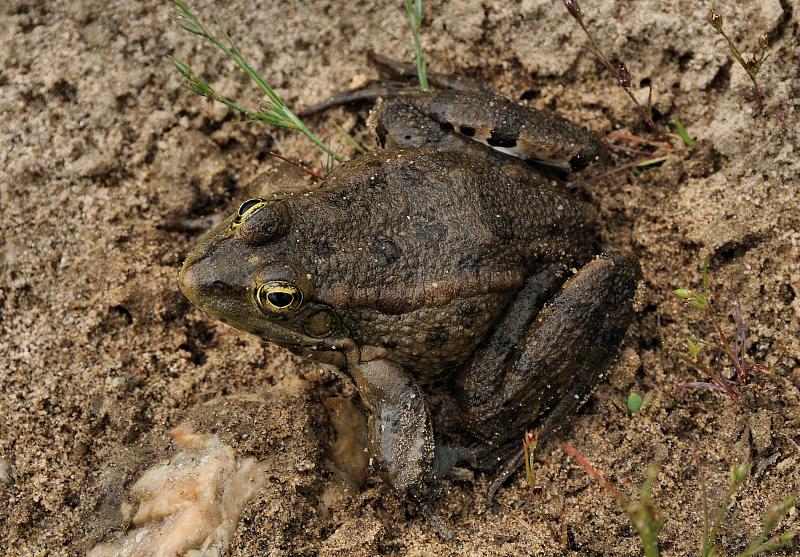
{"x":247,"y":210}
{"x":265,"y":222}
{"x":278,"y":296}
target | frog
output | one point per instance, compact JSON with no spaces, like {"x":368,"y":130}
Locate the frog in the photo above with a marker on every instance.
{"x":449,"y":257}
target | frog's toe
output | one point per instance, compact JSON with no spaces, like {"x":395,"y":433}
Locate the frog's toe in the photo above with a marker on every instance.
{"x":506,"y":470}
{"x":447,"y":459}
{"x":463,"y":474}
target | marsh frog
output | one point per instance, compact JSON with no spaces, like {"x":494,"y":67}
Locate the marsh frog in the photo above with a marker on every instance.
{"x":445,"y":257}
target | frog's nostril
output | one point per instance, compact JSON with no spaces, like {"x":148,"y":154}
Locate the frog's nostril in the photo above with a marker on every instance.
{"x":196,"y":283}
{"x":195,"y":278}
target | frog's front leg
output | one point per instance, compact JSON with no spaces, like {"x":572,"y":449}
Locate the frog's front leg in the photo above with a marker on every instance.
{"x":400,"y":431}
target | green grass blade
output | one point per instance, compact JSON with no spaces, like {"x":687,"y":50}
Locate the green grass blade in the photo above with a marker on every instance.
{"x":363,"y":149}
{"x":684,"y":135}
{"x":276,"y":113}
{"x":389,"y":34}
{"x":651,"y":162}
{"x":414,"y":11}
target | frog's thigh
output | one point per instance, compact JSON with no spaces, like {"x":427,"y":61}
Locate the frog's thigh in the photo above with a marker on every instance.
{"x":399,"y":427}
{"x":559,"y":358}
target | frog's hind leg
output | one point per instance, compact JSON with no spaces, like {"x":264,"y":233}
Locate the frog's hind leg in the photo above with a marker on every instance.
{"x":548,"y":369}
{"x":398,"y":123}
{"x":505,"y":126}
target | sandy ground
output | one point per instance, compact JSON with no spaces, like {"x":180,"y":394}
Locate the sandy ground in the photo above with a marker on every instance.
{"x":100,"y":356}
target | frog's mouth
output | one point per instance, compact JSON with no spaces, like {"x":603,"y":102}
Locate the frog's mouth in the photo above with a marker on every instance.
{"x":335,"y":357}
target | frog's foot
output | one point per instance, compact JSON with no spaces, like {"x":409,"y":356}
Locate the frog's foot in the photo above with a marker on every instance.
{"x":368,"y":93}
{"x":500,"y":477}
{"x":404,"y":70}
{"x":462,"y":474}
{"x":551,"y":368}
{"x":447,"y":459}
{"x":396,"y":80}
{"x":515,"y":458}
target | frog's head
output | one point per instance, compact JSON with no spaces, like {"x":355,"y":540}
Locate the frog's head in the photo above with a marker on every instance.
{"x":241,"y":273}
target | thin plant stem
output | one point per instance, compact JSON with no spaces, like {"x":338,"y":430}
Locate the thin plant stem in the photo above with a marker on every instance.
{"x":643,"y":513}
{"x":414,"y":11}
{"x":752,"y":66}
{"x":738,"y":55}
{"x":305,"y":169}
{"x":276,"y":112}
{"x":357,"y":145}
{"x":391,"y":35}
{"x":622,"y":75}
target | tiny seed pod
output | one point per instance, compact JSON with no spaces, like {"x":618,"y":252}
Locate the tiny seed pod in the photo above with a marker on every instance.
{"x":715,"y":19}
{"x":574,"y":8}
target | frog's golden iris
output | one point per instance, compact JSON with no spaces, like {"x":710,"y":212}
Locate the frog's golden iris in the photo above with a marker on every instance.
{"x":247,"y":210}
{"x":278,"y":296}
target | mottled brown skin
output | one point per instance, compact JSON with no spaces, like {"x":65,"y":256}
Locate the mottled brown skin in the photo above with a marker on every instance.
{"x":442,"y":258}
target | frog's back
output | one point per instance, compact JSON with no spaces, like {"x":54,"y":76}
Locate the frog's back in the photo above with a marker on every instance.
{"x":420,"y":251}
{"x":391,"y":223}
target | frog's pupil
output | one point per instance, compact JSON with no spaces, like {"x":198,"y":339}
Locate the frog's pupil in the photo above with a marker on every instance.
{"x":247,"y":205}
{"x":280,"y":299}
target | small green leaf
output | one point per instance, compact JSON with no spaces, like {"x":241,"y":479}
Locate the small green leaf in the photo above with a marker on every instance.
{"x":693,"y":348}
{"x":635,"y":401}
{"x":699,"y":302}
{"x":181,"y":6}
{"x":738,"y":475}
{"x":183,"y":68}
{"x":684,"y":135}
{"x":776,"y":511}
{"x":189,"y":25}
{"x":683,"y":293}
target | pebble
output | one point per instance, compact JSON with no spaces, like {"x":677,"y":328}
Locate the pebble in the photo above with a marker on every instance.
{"x":5,"y":472}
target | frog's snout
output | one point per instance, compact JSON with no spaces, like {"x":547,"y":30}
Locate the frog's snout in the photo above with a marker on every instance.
{"x":190,"y":281}
{"x":201,"y":282}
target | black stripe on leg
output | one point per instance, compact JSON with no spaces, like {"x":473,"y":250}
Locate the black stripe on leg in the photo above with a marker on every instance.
{"x":502,"y":139}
